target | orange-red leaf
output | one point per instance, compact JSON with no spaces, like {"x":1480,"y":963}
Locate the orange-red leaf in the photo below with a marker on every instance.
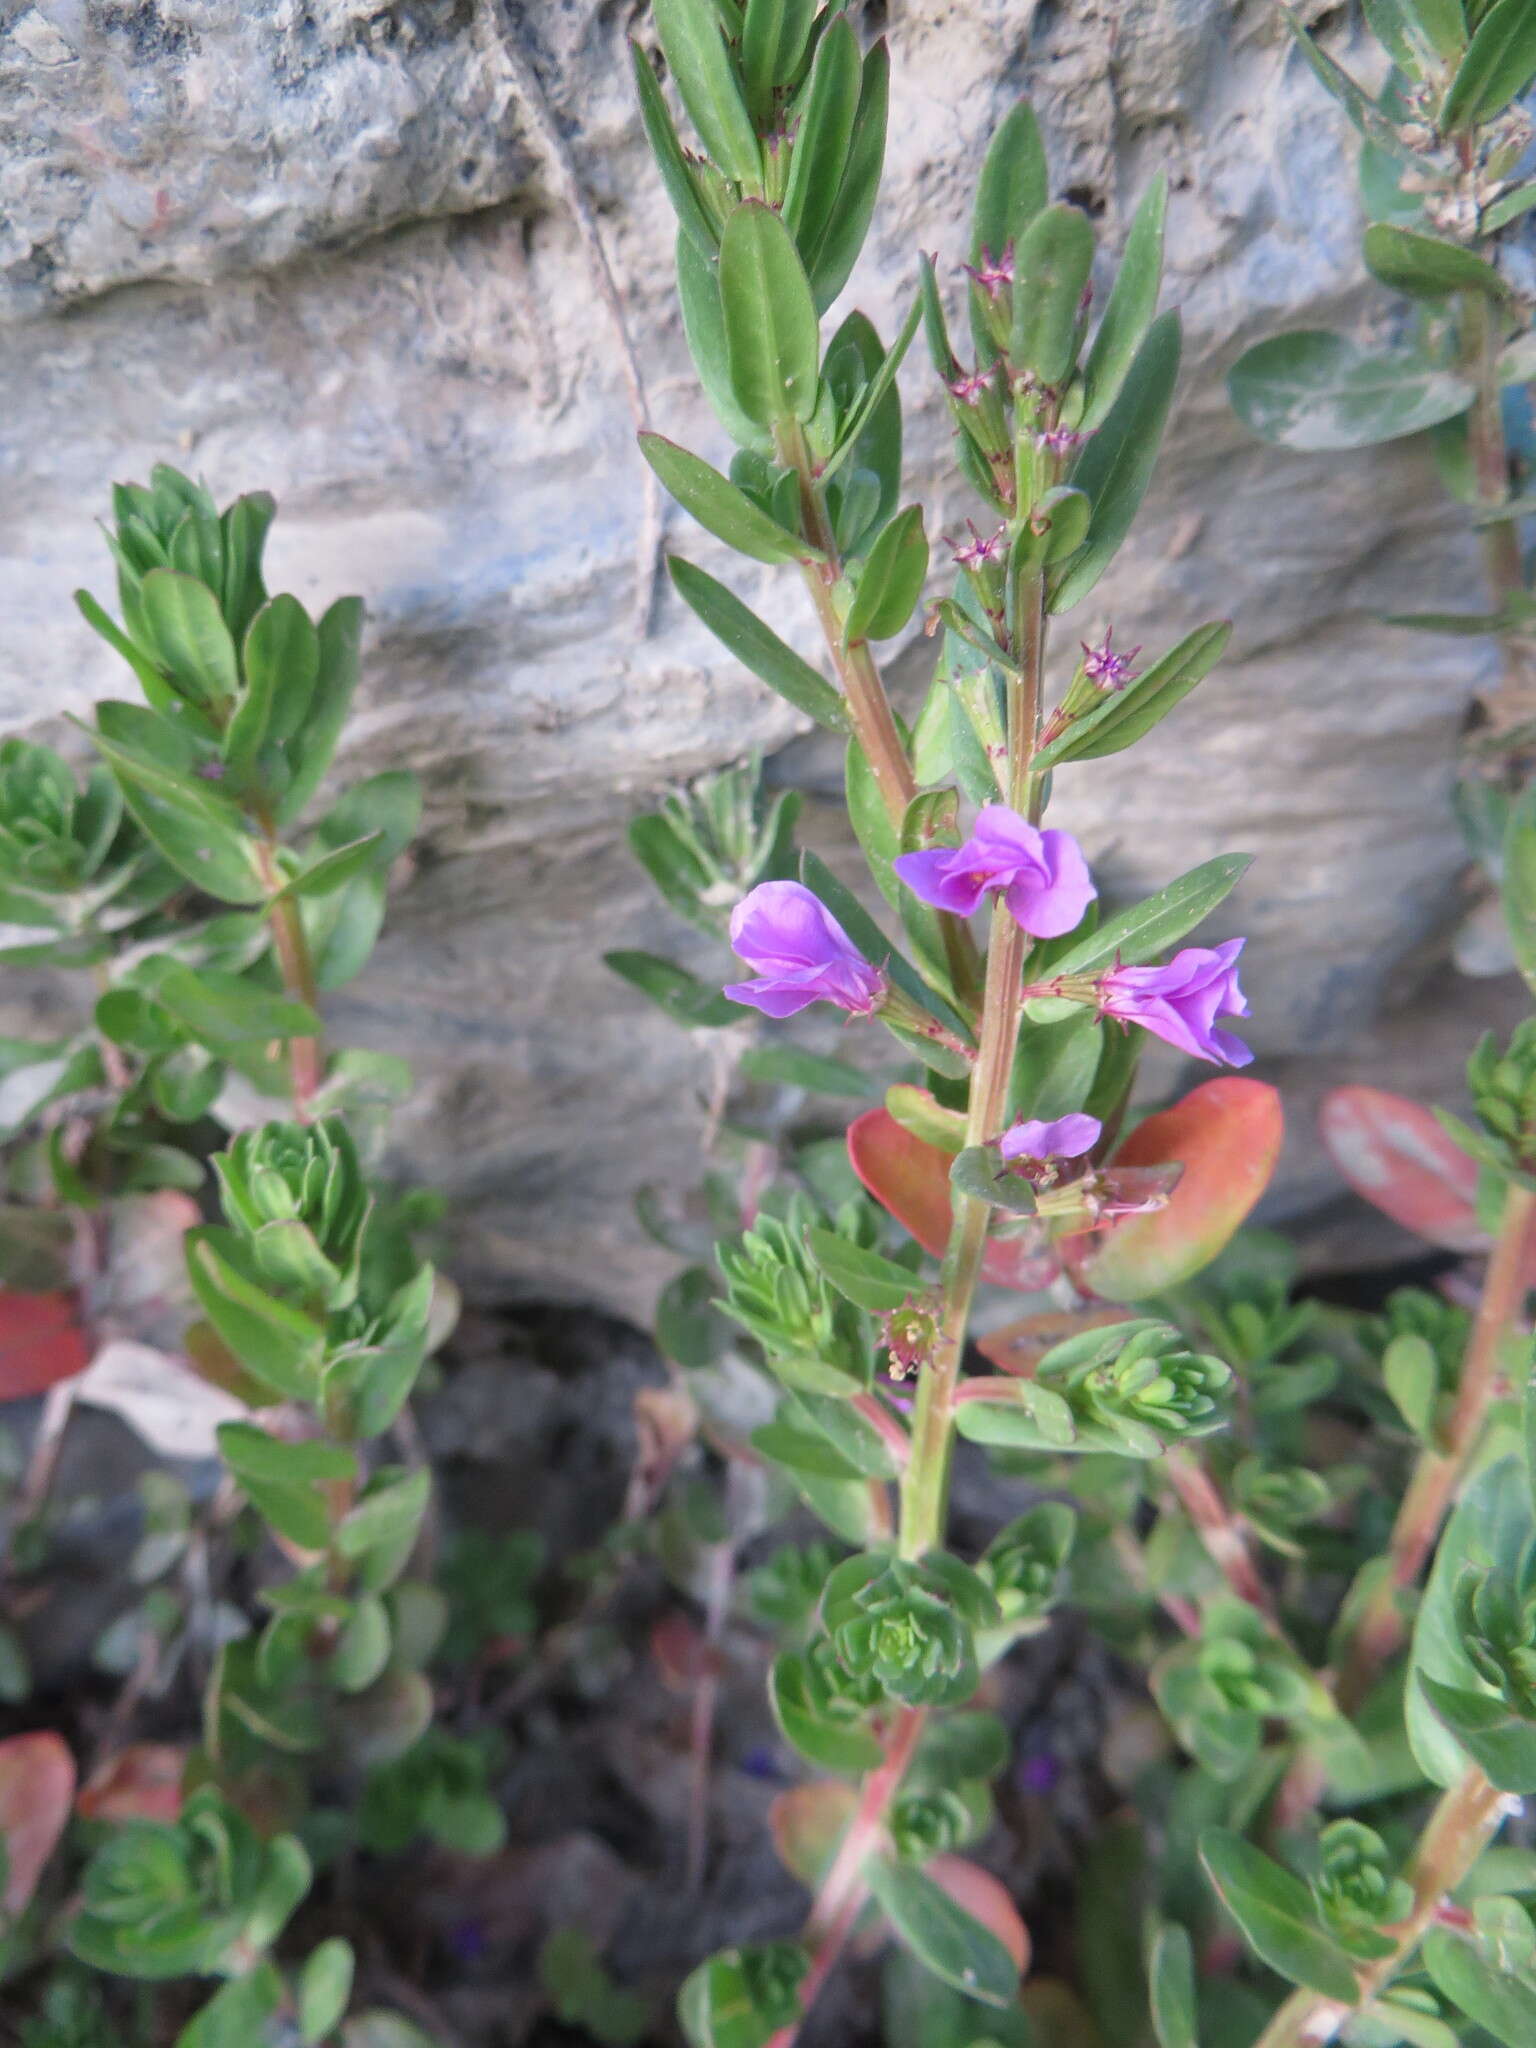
{"x":1395,"y":1153}
{"x":37,"y":1790}
{"x":141,"y":1782}
{"x":911,"y":1179}
{"x":1226,"y":1134}
{"x":807,"y":1824}
{"x":978,"y":1892}
{"x":41,"y":1343}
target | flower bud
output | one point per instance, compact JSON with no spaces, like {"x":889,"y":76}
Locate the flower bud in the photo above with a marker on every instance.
{"x":814,"y":1340}
{"x":1136,"y":1387}
{"x":1354,"y":1885}
{"x":929,"y":1824}
{"x":908,"y":1624}
{"x":1023,"y":1563}
{"x":1503,"y":1089}
{"x":297,"y":1193}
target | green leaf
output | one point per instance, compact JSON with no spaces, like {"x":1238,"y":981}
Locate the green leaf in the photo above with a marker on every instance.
{"x":791,"y":1066}
{"x":756,"y":646}
{"x":198,"y":830}
{"x":698,"y":292}
{"x":775,"y":34}
{"x":253,"y":1453}
{"x":223,"y":1010}
{"x":978,"y":1171}
{"x":772,"y":338}
{"x":820,"y":154}
{"x":1492,"y":1521}
{"x":1501,"y":1744}
{"x":282,"y":666}
{"x":1509,"y":208}
{"x":864,"y":1277}
{"x":101,"y":622}
{"x":335,"y":869}
{"x":1500,"y":63}
{"x":1131,"y":308}
{"x":1029,"y":1417}
{"x":245,"y":525}
{"x":1412,"y":1377}
{"x":1116,"y":466}
{"x":1491,"y":1996}
{"x":238,"y":2012}
{"x":325,"y":1985}
{"x":1135,"y":935}
{"x":386,"y":1517}
{"x":310,"y":749}
{"x":1052,"y":264}
{"x":878,"y":412}
{"x":1424,"y":266}
{"x":661,"y":134}
{"x":891,"y":581}
{"x":941,"y":1934}
{"x":1371,"y":119}
{"x":683,"y":997}
{"x":720,"y":508}
{"x":835,"y":255}
{"x":1171,"y":1987}
{"x":1127,"y":714}
{"x":693,"y":43}
{"x":190,"y":637}
{"x":1316,"y":392}
{"x":280,"y":1344}
{"x":1014,"y":184}
{"x":1275,"y":1913}
{"x":840,"y":1746}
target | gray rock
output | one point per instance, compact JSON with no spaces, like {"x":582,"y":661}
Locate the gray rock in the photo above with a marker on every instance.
{"x":319,"y":248}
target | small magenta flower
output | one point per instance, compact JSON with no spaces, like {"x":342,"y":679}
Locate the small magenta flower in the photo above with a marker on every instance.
{"x":801,"y":953}
{"x":993,"y":272}
{"x":1183,"y":1002}
{"x":1041,"y":876}
{"x":976,"y":553}
{"x":1104,"y":667}
{"x":1034,"y":1143}
{"x":973,"y":389}
{"x":1060,"y":440}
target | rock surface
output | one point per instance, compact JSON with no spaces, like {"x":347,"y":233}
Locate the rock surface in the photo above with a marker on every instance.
{"x":322,"y":248}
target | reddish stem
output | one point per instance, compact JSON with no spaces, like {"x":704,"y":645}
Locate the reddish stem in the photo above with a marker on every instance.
{"x":843,"y":1891}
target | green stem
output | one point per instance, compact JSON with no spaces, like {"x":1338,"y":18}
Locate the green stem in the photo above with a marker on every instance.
{"x":1459,"y":1829}
{"x":869,"y":708}
{"x":296,"y":965}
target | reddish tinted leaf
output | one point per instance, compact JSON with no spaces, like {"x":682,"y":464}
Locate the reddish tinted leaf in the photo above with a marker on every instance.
{"x":142,"y":1782}
{"x":911,"y":1179}
{"x":1019,"y":1347}
{"x":977,"y":1892}
{"x":41,"y":1343}
{"x":1394,"y":1152}
{"x":1226,"y":1134}
{"x":807,"y":1823}
{"x":679,"y":1651}
{"x":37,"y":1790}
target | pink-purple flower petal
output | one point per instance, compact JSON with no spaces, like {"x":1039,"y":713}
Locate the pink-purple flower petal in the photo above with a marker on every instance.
{"x":801,"y":955}
{"x":1184,"y":1001}
{"x":1041,"y":875}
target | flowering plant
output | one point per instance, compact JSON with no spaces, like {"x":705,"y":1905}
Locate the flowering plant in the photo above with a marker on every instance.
{"x":1165,"y":1389}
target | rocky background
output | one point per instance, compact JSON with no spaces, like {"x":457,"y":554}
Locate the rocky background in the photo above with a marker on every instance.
{"x":328,"y":247}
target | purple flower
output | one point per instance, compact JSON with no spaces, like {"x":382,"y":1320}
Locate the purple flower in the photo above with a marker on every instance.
{"x":1060,"y":440}
{"x":1104,"y":667}
{"x":1068,"y":1137}
{"x":972,"y":389}
{"x":1183,"y":1001}
{"x":993,"y":272}
{"x":976,"y":552}
{"x":801,"y":954}
{"x":1041,"y":876}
